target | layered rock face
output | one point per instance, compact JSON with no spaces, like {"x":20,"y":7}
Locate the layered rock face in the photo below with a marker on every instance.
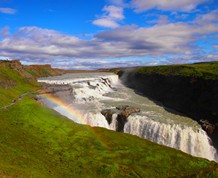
{"x":65,"y":92}
{"x":195,"y":97}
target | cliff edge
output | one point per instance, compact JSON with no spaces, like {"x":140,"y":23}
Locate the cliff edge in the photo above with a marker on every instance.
{"x":190,"y":89}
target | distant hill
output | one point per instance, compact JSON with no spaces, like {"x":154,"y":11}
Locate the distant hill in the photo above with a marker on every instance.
{"x":38,"y":142}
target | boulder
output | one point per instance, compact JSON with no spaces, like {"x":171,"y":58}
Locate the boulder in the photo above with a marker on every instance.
{"x":108,"y":114}
{"x":207,"y":126}
{"x":127,"y":110}
{"x":123,"y":112}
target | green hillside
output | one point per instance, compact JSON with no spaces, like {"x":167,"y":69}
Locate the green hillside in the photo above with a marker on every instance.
{"x":38,"y":142}
{"x":202,"y":70}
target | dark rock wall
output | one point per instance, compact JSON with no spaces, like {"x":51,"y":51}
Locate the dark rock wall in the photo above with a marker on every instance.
{"x":194,"y":97}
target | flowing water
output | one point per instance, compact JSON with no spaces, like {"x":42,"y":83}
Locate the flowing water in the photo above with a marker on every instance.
{"x":94,"y":92}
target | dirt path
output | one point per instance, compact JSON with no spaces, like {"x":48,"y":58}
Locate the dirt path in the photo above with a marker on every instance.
{"x":16,"y":100}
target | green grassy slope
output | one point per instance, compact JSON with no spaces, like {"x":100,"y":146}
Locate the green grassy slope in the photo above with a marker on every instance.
{"x":12,"y":84}
{"x":38,"y":142}
{"x":203,"y":70}
{"x":16,"y":79}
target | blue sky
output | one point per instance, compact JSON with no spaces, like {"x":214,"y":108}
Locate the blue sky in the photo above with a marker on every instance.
{"x":90,"y":34}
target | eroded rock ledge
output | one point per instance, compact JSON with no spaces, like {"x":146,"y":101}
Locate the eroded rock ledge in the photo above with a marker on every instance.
{"x":65,"y":92}
{"x":122,"y":113}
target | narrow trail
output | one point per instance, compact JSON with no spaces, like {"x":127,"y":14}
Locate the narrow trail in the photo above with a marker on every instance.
{"x":16,"y":100}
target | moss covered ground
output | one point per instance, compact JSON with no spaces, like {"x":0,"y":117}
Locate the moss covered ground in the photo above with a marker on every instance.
{"x":38,"y":142}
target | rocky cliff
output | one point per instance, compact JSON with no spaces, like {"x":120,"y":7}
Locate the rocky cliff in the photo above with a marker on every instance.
{"x":190,"y":89}
{"x":31,"y":71}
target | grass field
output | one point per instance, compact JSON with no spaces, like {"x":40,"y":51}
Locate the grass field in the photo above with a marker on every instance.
{"x":203,"y":70}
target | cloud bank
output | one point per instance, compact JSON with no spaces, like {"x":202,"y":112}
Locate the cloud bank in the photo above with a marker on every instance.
{"x":166,"y":5}
{"x":7,"y":10}
{"x":173,"y":42}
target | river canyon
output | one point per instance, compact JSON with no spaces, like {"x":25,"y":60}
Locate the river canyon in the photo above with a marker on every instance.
{"x":96,"y":98}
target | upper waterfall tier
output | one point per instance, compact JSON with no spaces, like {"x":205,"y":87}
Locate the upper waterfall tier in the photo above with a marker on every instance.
{"x":86,"y":87}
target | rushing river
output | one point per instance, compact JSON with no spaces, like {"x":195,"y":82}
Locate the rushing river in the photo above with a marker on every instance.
{"x":93,"y":92}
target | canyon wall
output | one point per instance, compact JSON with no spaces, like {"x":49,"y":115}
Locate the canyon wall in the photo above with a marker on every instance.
{"x":193,"y":93}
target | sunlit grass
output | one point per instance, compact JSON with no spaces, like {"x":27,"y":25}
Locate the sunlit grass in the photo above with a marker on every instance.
{"x":203,"y":70}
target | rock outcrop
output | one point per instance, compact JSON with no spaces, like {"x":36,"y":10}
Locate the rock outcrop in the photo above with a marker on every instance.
{"x":207,"y":126}
{"x":31,"y":72}
{"x":65,"y":92}
{"x":122,"y":112}
{"x":12,"y":64}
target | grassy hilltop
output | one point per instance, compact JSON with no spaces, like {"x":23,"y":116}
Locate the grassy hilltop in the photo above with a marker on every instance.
{"x":208,"y":70}
{"x":38,"y":142}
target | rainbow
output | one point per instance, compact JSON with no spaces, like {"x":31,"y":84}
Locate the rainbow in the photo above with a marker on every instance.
{"x":73,"y":113}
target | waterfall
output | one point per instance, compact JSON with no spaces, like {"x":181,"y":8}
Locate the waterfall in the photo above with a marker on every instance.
{"x":93,"y":92}
{"x":188,"y":139}
{"x":192,"y":140}
{"x":96,"y":119}
{"x":95,"y":89}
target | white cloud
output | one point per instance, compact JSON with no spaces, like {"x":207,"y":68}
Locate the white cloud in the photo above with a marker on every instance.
{"x":215,"y":46}
{"x":106,"y":22}
{"x":4,"y":32}
{"x":114,"y":12}
{"x":7,"y":10}
{"x":175,"y":5}
{"x":193,"y":58}
{"x":112,"y":15}
{"x":208,"y":18}
{"x":88,"y":64}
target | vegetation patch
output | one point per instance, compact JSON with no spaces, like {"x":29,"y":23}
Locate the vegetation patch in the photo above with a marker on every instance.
{"x":201,"y":70}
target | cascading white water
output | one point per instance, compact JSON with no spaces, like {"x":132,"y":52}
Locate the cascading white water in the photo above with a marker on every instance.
{"x":88,"y":88}
{"x":96,"y":119}
{"x":94,"y":92}
{"x":188,"y":139}
{"x":93,"y":89}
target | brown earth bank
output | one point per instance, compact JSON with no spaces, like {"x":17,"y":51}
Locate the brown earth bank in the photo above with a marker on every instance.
{"x":193,"y":96}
